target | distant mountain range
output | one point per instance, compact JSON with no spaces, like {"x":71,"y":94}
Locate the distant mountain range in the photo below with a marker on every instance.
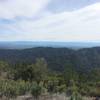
{"x":31,"y":44}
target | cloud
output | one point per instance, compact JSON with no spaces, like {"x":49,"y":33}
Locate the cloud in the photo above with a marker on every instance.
{"x":78,"y":25}
{"x":21,"y":8}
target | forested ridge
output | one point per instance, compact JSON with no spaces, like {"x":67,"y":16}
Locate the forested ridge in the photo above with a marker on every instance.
{"x":57,"y":58}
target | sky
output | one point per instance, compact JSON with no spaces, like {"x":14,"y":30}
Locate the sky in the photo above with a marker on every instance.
{"x":50,"y":20}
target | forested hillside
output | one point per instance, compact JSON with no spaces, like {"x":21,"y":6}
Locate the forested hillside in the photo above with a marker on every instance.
{"x":40,"y":72}
{"x":57,"y":58}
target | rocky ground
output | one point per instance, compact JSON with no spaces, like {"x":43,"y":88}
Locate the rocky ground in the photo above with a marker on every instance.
{"x":47,"y":97}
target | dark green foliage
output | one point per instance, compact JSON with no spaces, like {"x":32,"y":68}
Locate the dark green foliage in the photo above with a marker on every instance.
{"x":8,"y":88}
{"x":36,"y":72}
{"x":83,"y":60}
{"x":75,"y":95}
{"x":36,"y":90}
{"x":70,"y":73}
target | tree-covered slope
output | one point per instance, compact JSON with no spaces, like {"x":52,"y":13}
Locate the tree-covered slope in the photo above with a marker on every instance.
{"x":57,"y":58}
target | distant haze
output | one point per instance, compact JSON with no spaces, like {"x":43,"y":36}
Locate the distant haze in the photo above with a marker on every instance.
{"x":31,"y":44}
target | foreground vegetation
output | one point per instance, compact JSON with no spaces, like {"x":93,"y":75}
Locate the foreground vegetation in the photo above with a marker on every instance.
{"x":37,"y":79}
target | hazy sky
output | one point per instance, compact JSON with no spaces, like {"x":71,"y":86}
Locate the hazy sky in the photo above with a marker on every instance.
{"x":50,"y":20}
